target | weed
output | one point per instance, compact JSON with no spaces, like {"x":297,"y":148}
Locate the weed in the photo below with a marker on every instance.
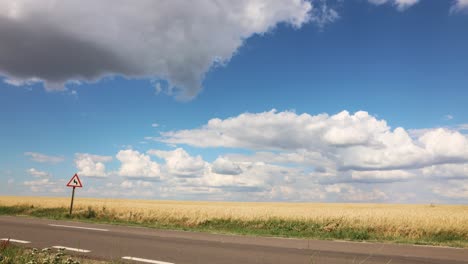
{"x":10,"y":254}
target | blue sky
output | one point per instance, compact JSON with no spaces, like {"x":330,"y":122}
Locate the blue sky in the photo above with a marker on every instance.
{"x":144,"y":132}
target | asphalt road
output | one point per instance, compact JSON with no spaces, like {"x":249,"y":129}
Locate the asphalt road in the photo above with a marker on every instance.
{"x":143,"y":245}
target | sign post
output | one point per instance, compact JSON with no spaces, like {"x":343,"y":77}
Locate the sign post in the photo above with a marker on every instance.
{"x":73,"y":198}
{"x":74,"y":182}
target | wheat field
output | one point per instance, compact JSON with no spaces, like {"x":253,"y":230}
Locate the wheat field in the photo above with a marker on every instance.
{"x":387,"y":220}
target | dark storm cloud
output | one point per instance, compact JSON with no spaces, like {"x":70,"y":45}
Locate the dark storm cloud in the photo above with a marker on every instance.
{"x":172,"y":40}
{"x":37,"y":50}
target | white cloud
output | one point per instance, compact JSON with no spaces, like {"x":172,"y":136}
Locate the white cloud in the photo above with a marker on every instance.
{"x":154,"y":125}
{"x":255,"y":177}
{"x":454,"y":190}
{"x":322,"y":14}
{"x":45,"y":185}
{"x":38,"y":185}
{"x":303,"y":157}
{"x":158,"y":88}
{"x":180,"y":163}
{"x":358,"y":129}
{"x":445,"y":145}
{"x":192,"y":172}
{"x":447,"y":171}
{"x":462,"y":127}
{"x":295,"y":157}
{"x":223,"y":165}
{"x":38,"y":173}
{"x":357,"y":195}
{"x":74,"y":93}
{"x":289,"y":193}
{"x":91,"y":165}
{"x":387,"y":175}
{"x":401,"y":5}
{"x":348,"y":192}
{"x":189,"y":172}
{"x":194,"y":192}
{"x":448,"y":117}
{"x":43,"y":158}
{"x":399,"y":150}
{"x":136,"y":184}
{"x":348,"y":141}
{"x":459,"y":5}
{"x":282,"y":130}
{"x":17,"y":82}
{"x":170,"y":39}
{"x":404,"y":4}
{"x":43,"y":182}
{"x":137,"y":165}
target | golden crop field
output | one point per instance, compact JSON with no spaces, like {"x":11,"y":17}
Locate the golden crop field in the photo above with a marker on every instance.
{"x":387,"y":220}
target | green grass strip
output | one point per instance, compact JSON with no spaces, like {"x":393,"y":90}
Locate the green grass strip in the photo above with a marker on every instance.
{"x":270,"y":227}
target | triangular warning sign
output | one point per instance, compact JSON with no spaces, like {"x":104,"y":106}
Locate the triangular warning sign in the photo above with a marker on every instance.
{"x":75,"y":182}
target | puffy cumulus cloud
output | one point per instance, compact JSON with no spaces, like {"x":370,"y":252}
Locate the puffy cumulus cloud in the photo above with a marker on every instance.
{"x":137,"y":165}
{"x":223,"y":165}
{"x":179,"y":163}
{"x":317,"y":160}
{"x":401,"y":5}
{"x":193,"y":173}
{"x":399,"y":150}
{"x":446,"y":144}
{"x":290,"y":177}
{"x":459,"y":5}
{"x":282,"y":131}
{"x":171,"y":39}
{"x":434,"y":146}
{"x":361,"y":128}
{"x":301,"y":157}
{"x":447,"y":171}
{"x":43,"y":158}
{"x":91,"y":165}
{"x":255,"y":177}
{"x":37,"y":173}
{"x":343,"y":141}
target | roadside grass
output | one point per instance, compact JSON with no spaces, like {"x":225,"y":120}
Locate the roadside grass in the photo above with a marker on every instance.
{"x":332,"y":228}
{"x":11,"y":254}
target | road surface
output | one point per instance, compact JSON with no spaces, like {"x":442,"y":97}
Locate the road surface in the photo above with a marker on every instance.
{"x":144,"y":245}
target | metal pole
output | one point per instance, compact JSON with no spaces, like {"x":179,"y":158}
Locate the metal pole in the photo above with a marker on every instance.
{"x":73,"y":197}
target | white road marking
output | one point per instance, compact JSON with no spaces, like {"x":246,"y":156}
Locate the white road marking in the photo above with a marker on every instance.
{"x":16,"y":241}
{"x":80,"y":227}
{"x":147,"y":260}
{"x":73,"y":249}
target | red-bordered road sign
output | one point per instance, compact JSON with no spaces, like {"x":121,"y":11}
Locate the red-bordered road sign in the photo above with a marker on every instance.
{"x":75,"y":182}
